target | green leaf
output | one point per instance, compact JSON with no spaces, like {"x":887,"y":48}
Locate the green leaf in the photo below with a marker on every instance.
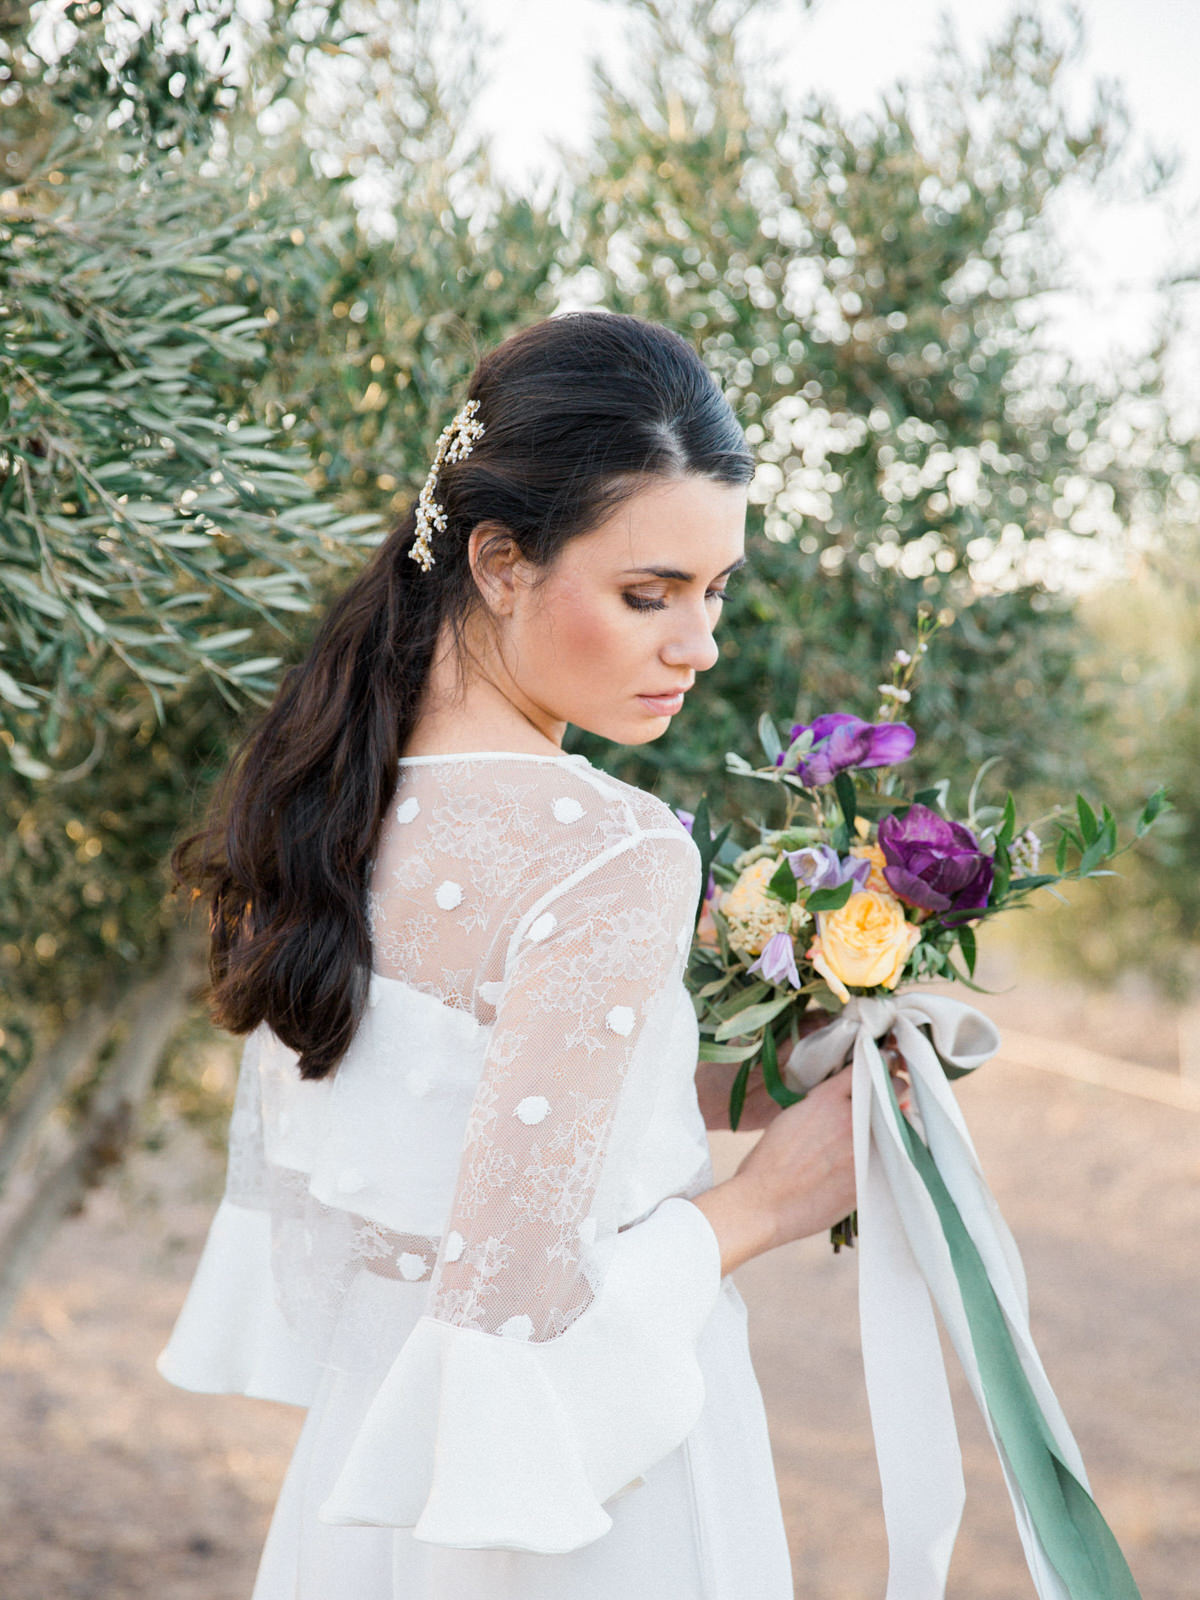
{"x":708,"y":848}
{"x":830,"y":899}
{"x":1088,"y":826}
{"x":783,"y":883}
{"x":843,"y":785}
{"x":1155,"y":806}
{"x":1008,"y":826}
{"x":727,"y":1053}
{"x":966,"y":940}
{"x":985,"y":767}
{"x":27,"y":765}
{"x":1092,"y":857}
{"x":48,"y":604}
{"x":752,"y":1019}
{"x":769,"y":738}
{"x":776,"y":1087}
{"x":749,"y":995}
{"x":12,"y":691}
{"x":933,"y":798}
{"x":1060,"y":854}
{"x":737,"y":1093}
{"x":245,"y":669}
{"x":1001,"y":873}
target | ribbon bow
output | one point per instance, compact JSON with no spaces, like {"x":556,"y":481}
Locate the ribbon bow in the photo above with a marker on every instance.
{"x":930,"y":1232}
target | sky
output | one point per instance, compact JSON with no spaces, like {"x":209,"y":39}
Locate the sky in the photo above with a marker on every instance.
{"x":851,"y":50}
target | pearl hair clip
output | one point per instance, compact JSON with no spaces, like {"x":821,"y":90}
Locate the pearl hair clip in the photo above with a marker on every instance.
{"x":456,"y":441}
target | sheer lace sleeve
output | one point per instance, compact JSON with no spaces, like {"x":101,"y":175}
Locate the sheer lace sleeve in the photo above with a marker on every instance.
{"x":587,"y":965}
{"x":556,"y":1360}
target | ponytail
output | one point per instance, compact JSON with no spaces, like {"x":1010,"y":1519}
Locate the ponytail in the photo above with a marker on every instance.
{"x":296,"y":818}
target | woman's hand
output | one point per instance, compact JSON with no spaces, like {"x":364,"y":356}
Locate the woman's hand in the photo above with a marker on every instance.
{"x":798,"y":1178}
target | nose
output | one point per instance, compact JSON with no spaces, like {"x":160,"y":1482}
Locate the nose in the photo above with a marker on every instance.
{"x":692,"y":644}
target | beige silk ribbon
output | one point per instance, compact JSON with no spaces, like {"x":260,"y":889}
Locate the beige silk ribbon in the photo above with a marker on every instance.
{"x":905,"y":1269}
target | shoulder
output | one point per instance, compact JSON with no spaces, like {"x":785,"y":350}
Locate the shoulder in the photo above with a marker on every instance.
{"x":644,"y":811}
{"x":624,"y":842}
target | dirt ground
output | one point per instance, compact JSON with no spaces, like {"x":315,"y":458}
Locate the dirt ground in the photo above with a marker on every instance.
{"x":116,"y":1486}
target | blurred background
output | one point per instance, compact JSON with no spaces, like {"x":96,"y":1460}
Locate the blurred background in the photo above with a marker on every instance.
{"x":944,"y":262}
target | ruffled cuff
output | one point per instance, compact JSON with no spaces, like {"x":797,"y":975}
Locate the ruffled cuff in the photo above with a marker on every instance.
{"x":230,"y":1336}
{"x":485,"y":1442}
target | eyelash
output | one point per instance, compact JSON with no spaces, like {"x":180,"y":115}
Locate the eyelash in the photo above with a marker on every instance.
{"x":640,"y":603}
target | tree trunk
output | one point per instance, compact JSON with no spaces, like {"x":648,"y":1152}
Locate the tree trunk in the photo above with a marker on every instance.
{"x":101,"y":1141}
{"x":44,"y":1083}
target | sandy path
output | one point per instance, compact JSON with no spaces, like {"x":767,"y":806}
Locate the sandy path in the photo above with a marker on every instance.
{"x":115,"y":1486}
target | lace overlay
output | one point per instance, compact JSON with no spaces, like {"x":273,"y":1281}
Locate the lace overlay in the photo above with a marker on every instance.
{"x":485,"y":1141}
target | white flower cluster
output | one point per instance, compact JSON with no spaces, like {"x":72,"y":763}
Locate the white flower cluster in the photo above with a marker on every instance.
{"x":1025,"y":852}
{"x":752,"y":915}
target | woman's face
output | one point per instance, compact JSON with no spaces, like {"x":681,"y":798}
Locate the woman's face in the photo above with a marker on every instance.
{"x":617,"y":629}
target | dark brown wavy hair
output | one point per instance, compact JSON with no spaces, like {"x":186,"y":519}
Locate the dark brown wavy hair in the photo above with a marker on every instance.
{"x":580,"y":410}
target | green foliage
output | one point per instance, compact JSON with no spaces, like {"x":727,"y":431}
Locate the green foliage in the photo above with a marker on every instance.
{"x":239,"y":300}
{"x":223,"y":385}
{"x":150,"y":522}
{"x":1140,"y":665}
{"x":868,"y":291}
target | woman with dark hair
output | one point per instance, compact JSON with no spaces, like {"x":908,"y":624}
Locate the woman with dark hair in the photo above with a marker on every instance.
{"x":470,"y":1219}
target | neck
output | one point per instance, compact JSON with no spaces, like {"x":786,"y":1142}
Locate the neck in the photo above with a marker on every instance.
{"x":476,"y":705}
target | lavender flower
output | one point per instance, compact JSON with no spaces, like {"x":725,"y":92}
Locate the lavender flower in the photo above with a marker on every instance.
{"x":819,"y":867}
{"x":777,"y":961}
{"x":842,"y":741}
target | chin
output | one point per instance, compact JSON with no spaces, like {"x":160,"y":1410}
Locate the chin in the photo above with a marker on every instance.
{"x":647,"y":731}
{"x":642,"y":731}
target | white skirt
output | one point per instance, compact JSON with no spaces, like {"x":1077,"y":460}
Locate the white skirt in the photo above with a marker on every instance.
{"x":705,"y":1522}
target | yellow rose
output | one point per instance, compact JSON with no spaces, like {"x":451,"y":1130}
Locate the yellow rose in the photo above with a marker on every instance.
{"x":865,"y":943}
{"x":873,"y":854}
{"x":752,"y":915}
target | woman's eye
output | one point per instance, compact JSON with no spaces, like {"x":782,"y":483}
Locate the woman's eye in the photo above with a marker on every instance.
{"x":641,"y":603}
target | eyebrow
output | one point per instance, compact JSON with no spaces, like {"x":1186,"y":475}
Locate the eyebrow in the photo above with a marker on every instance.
{"x":681,"y":577}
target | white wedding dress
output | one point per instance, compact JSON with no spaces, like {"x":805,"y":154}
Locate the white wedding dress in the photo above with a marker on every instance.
{"x":470,"y":1251}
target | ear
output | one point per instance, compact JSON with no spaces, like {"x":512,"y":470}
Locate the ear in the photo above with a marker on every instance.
{"x":497,"y":566}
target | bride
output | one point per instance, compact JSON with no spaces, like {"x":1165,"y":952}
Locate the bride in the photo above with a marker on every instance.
{"x":470,"y":1220}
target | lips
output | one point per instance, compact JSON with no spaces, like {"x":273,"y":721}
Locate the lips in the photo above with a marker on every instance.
{"x":664,"y":704}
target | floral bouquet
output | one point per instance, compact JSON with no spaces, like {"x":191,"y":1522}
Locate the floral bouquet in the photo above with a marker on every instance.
{"x":806,"y":935}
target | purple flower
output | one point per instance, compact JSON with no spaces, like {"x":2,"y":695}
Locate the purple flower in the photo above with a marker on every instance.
{"x":777,"y":961}
{"x":819,"y":867}
{"x":934,"y":863}
{"x":842,"y":741}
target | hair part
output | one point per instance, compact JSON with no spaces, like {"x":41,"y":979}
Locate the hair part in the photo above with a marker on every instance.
{"x":581,"y":410}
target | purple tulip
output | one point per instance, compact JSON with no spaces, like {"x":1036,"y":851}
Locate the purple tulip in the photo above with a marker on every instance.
{"x":777,"y":961}
{"x":819,"y":867}
{"x":934,"y":863}
{"x":842,"y":741}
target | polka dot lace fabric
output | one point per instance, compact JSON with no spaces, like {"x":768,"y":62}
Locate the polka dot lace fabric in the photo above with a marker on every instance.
{"x":533,"y":915}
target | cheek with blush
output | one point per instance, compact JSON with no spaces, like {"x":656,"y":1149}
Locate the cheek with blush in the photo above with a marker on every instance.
{"x":594,"y":647}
